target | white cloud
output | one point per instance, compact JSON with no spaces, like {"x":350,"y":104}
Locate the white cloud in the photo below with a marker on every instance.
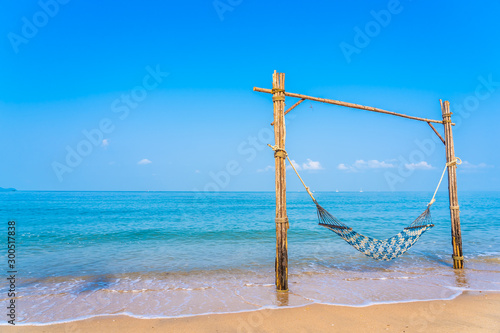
{"x":342,"y":166}
{"x":372,"y":164}
{"x":365,"y":165}
{"x":360,"y":164}
{"x":312,"y":165}
{"x":105,"y":143}
{"x":418,"y":166}
{"x":467,"y":165}
{"x":266,"y":169}
{"x":308,"y":165}
{"x":144,"y":161}
{"x":196,"y":171}
{"x":295,"y":164}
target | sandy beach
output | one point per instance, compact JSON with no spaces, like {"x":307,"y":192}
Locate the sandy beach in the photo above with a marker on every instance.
{"x":470,"y":312}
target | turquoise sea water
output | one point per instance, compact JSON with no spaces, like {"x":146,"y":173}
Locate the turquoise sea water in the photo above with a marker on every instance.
{"x":167,"y":254}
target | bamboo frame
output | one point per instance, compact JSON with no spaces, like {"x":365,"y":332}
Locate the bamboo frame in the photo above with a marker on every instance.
{"x":281,"y":264}
{"x":456,"y":234}
{"x":349,"y":105}
{"x":281,"y":219}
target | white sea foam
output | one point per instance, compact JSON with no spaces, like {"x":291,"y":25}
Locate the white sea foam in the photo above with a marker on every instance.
{"x":178,"y":295}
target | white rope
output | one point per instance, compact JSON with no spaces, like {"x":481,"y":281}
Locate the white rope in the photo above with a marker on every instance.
{"x":456,"y":161}
{"x":306,"y":187}
{"x":275,"y":148}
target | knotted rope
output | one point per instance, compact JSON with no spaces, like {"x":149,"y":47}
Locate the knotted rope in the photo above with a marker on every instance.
{"x":277,"y":149}
{"x":457,"y":161}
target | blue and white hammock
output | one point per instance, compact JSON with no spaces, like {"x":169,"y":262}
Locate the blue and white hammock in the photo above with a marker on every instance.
{"x":386,"y":249}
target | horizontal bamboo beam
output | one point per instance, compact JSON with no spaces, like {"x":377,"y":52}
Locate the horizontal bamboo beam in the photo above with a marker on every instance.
{"x":437,"y":133}
{"x":349,"y":105}
{"x":291,"y":108}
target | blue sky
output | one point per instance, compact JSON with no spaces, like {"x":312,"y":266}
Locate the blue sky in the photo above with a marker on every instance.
{"x":158,"y":95}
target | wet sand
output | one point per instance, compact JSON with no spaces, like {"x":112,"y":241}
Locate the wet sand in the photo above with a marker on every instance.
{"x":470,"y":312}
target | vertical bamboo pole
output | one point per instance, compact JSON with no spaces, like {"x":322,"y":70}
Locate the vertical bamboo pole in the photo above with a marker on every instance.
{"x":456,"y":234}
{"x":281,"y":264}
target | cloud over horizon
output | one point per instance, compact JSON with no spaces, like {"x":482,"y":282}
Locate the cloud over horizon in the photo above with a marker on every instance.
{"x":361,"y":165}
{"x":265,"y":169}
{"x":469,"y":167}
{"x":419,"y":166}
{"x":308,"y":165}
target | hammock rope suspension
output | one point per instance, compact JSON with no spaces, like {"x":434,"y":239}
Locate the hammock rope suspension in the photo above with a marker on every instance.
{"x":387,"y":249}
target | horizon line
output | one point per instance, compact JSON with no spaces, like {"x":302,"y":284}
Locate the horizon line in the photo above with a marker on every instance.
{"x":242,"y":191}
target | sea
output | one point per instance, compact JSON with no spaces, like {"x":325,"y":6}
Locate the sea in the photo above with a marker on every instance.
{"x":175,"y":254}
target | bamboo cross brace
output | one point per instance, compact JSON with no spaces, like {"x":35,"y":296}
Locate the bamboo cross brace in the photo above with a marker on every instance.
{"x":437,"y":133}
{"x":349,"y":105}
{"x":291,"y":108}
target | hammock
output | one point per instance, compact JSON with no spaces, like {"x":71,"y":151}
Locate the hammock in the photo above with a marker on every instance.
{"x":386,"y":249}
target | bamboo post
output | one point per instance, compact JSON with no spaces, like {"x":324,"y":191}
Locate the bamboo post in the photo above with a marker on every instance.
{"x":281,"y":264}
{"x":456,"y":235}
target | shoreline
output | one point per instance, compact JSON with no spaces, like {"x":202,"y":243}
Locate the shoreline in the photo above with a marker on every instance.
{"x":264,"y":308}
{"x":470,"y":311}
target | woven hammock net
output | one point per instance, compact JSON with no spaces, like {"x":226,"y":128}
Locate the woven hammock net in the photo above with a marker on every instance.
{"x":387,"y":249}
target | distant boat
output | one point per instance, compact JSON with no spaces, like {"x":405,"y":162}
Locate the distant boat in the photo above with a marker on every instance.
{"x":337,"y":190}
{"x":361,"y":191}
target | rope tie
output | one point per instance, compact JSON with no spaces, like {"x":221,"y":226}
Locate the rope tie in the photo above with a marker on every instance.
{"x":457,"y":161}
{"x":280,"y":153}
{"x":457,"y":257}
{"x":278,"y":150}
{"x":278,"y":98}
{"x":282,"y":220}
{"x":277,"y":90}
{"x":455,"y":207}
